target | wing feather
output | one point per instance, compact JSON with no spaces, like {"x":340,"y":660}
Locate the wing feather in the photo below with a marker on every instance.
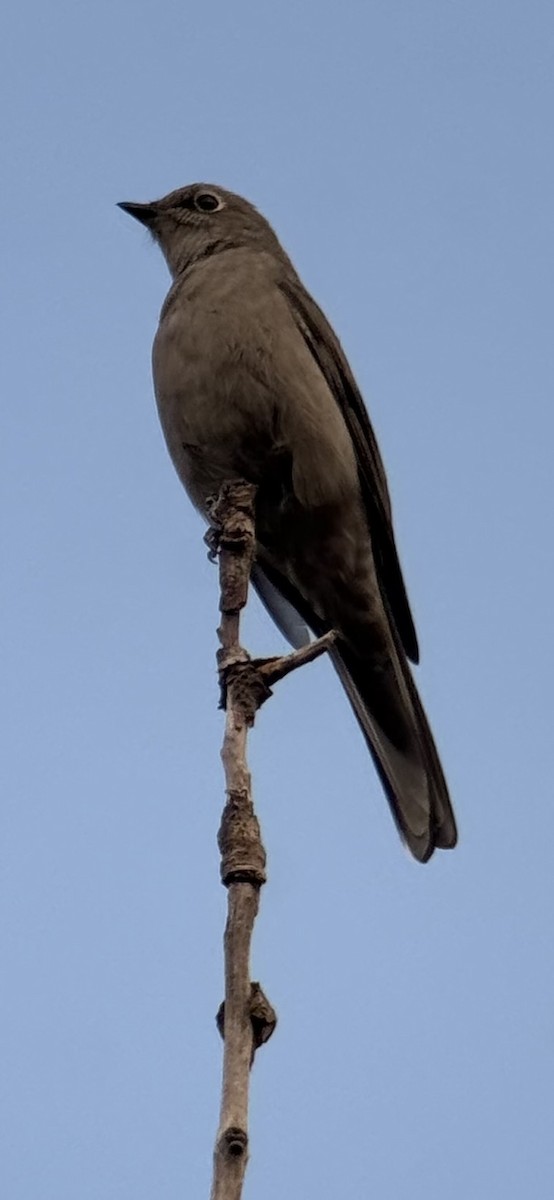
{"x":327,"y":351}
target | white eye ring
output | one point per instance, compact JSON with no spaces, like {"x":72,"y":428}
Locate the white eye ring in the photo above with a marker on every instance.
{"x":207,"y":202}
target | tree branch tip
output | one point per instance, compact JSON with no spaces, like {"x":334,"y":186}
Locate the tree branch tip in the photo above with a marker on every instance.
{"x":235,"y":499}
{"x":232,"y":522}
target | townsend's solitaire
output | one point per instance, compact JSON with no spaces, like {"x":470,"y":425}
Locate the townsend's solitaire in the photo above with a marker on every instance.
{"x":251,"y":382}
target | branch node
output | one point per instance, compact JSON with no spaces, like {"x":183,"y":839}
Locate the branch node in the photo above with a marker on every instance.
{"x":250,"y":690}
{"x":234,"y":1142}
{"x":262,"y":1016}
{"x":243,"y":856}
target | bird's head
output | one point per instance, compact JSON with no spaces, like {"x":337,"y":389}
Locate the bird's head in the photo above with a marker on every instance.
{"x":202,"y":219}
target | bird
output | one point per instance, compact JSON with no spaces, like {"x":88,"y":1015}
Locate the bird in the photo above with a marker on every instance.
{"x":252,"y":383}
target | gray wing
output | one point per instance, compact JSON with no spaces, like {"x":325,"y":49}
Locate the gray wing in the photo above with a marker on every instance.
{"x":328,"y":353}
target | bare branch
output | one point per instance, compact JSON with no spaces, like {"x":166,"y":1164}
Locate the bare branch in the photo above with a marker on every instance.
{"x":274,"y":669}
{"x":245,"y":1019}
{"x":242,"y":852}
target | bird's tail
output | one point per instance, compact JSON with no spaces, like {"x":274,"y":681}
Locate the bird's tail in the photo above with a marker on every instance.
{"x":391,"y":715}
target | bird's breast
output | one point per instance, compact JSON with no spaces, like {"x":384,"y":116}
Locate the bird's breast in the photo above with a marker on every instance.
{"x":212,"y":381}
{"x":239,"y":393}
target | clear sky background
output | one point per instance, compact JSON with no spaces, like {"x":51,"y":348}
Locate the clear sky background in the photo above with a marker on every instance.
{"x":403,"y":151}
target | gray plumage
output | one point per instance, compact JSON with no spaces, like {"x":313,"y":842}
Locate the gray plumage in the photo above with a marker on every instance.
{"x":251,"y":382}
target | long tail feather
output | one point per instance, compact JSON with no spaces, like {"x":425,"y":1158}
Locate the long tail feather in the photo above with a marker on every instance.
{"x":397,"y":732}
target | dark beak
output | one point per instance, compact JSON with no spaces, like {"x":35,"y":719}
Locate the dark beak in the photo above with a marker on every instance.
{"x":145,"y":213}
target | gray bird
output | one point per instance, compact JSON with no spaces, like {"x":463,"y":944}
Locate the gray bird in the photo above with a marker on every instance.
{"x":251,"y":382}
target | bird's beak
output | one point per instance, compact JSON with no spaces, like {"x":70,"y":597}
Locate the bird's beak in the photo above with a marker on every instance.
{"x":145,"y":213}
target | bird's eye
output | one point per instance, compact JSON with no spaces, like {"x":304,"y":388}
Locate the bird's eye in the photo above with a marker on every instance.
{"x":207,"y":202}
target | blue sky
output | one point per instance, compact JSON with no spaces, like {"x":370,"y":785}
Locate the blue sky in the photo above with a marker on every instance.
{"x":403,"y":152}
